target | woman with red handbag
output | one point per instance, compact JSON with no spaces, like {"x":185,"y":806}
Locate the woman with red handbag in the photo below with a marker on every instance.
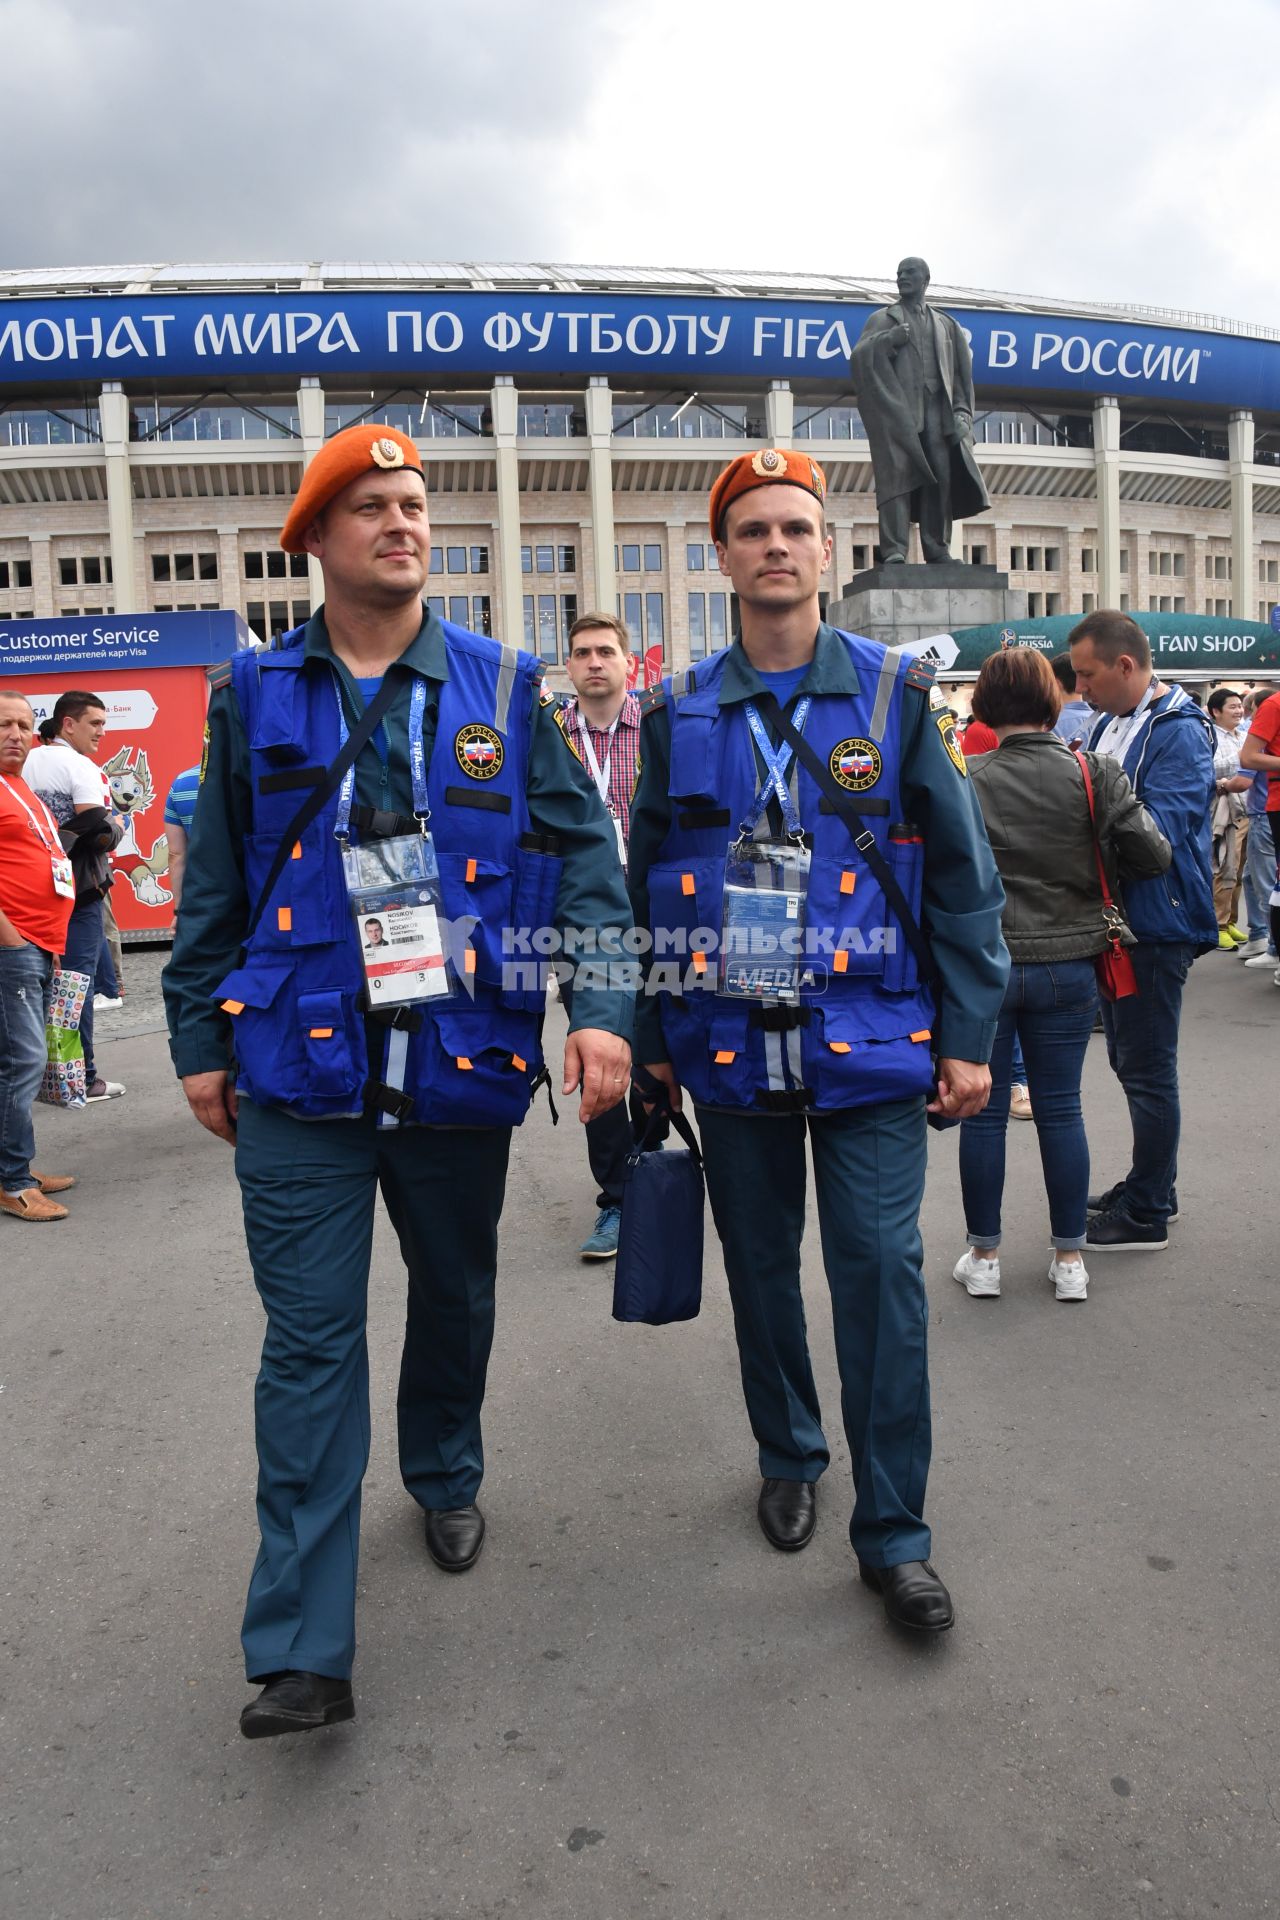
{"x":1062,"y":825}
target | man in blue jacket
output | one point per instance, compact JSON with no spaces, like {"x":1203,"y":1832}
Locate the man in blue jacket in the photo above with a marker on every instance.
{"x":1164,"y":743}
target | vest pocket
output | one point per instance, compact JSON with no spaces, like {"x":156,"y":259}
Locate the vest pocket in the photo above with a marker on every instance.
{"x":537,"y":887}
{"x":845,"y":918}
{"x":479,"y":1065}
{"x":686,"y":898}
{"x":264,"y":1033}
{"x":730,"y":1076}
{"x":853,"y":1068}
{"x":477,"y":904}
{"x":327,"y":1024}
{"x":906,"y":861}
{"x":308,"y":906}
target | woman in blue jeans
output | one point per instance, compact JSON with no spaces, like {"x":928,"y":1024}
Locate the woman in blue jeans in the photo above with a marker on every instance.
{"x":1033,"y":798}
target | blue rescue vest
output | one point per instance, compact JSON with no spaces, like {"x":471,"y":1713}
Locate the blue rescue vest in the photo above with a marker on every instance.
{"x":861,"y":1032}
{"x":297,"y":999}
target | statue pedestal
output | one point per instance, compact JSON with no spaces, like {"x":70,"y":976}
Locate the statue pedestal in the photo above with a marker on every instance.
{"x":901,"y":603}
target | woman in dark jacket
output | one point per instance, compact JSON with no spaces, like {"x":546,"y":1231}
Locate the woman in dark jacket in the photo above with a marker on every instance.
{"x":1033,"y":798}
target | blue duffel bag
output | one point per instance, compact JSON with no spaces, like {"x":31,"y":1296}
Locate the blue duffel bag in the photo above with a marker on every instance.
{"x":658,"y":1274}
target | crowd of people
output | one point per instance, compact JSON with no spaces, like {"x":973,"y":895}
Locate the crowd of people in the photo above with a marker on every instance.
{"x":383,"y":786}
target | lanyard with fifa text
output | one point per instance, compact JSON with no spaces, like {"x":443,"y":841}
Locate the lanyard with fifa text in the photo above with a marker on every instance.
{"x":417,"y":760}
{"x":776,"y":762}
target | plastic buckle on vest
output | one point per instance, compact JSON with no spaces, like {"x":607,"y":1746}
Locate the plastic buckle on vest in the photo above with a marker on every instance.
{"x":778,"y":1019}
{"x":797,"y":1100}
{"x":543,"y":1079}
{"x":380,"y":1098}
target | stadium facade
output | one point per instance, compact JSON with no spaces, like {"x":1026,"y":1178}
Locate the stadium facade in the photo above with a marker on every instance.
{"x":155,"y":420}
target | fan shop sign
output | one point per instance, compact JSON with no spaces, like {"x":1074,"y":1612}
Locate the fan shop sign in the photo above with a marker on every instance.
{"x":1180,"y":643}
{"x":429,"y":335}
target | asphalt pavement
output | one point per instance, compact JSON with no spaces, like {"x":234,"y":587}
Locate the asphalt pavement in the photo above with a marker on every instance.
{"x":633,"y":1706}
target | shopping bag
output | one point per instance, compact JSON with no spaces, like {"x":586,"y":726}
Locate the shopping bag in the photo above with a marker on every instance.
{"x":657,"y":1277}
{"x":63,"y":1081}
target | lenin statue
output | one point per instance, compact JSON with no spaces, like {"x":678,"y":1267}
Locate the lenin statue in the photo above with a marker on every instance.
{"x":913,"y":375}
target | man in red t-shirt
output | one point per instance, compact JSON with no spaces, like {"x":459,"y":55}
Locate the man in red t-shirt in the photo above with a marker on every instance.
{"x":37,"y":894}
{"x":1260,"y":753}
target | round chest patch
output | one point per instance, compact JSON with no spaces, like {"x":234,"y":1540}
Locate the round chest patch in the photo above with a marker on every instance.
{"x":856,"y":764}
{"x":479,"y":751}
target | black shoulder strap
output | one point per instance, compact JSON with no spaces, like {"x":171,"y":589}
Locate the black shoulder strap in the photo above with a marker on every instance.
{"x":360,"y":735}
{"x":863,"y":840}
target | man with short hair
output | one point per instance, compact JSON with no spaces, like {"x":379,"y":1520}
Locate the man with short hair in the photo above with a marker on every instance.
{"x":179,"y":812}
{"x":78,"y":795}
{"x":1260,"y":753}
{"x":1164,"y":744}
{"x":36,"y":897}
{"x":602,"y":725}
{"x":336,"y":1093}
{"x":1077,"y":716}
{"x":1227,"y":818}
{"x":874,"y":996}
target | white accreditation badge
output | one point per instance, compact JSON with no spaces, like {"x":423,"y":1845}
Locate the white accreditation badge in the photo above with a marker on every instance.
{"x":394,"y":889}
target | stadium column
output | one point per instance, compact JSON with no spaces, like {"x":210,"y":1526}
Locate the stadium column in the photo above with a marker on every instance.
{"x":600,"y":483}
{"x":311,"y":431}
{"x":1240,"y":469}
{"x":779,"y":414}
{"x":1106,"y":460}
{"x":113,"y":414}
{"x":504,"y":403}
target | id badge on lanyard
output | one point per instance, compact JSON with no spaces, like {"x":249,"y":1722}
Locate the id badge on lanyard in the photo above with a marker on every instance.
{"x":393,"y":889}
{"x":601,"y":777}
{"x":766,"y":885}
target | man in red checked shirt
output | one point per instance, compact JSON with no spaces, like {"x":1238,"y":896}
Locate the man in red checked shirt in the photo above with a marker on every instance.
{"x":602,"y":725}
{"x":37,"y":894}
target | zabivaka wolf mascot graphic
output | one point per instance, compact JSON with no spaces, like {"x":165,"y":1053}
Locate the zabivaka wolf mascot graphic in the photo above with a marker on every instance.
{"x":133,"y":791}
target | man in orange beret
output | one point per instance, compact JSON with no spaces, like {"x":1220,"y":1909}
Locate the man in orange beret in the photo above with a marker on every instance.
{"x":802,"y":794}
{"x":376,"y":725}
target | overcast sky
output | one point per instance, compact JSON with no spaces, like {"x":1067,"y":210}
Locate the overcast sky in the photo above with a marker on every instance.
{"x":1101,"y":149}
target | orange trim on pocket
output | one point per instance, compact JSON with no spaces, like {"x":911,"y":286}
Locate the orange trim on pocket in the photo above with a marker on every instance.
{"x":284,"y":919}
{"x":687,"y":883}
{"x":840,"y":961}
{"x":460,"y":1060}
{"x":926,"y":1033}
{"x":847,"y":881}
{"x":725,"y":1059}
{"x":699,"y":962}
{"x":471,"y":872}
{"x":469,"y":963}
{"x":320,"y":1033}
{"x":521,"y":1066}
{"x":839,"y":1046}
{"x":233,"y":1006}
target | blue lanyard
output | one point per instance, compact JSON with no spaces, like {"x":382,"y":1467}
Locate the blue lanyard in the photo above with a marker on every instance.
{"x":776,"y":761}
{"x":417,"y":760}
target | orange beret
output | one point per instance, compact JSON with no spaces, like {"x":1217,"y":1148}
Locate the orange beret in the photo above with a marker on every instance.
{"x":356,"y":450}
{"x":771,"y":467}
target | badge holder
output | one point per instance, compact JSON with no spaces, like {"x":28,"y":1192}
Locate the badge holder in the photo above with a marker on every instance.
{"x":766,"y":886}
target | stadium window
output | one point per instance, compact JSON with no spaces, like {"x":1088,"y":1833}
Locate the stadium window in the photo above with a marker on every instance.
{"x":693,"y":559}
{"x":653,"y":559}
{"x":436,"y":562}
{"x":859,"y":559}
{"x":481,"y":607}
{"x":654,"y":622}
{"x":1035,"y":606}
{"x":1053,"y":603}
{"x":529,"y":635}
{"x":633,"y":615}
{"x":455,"y":560}
{"x":1166,"y":603}
{"x":297,"y":567}
{"x":1153,"y":562}
{"x":1124,"y":559}
{"x":1180,"y":565}
{"x":161,"y":568}
{"x":1015,"y":560}
{"x":1086,"y":560}
{"x":458,"y":609}
{"x":1088,"y":601}
{"x":1208,"y":566}
{"x":718,"y":620}
{"x":978,"y":555}
{"x":279,"y":615}
{"x":256,"y":614}
{"x":526,"y":559}
{"x":630,"y":559}
{"x":207,"y":565}
{"x":568,"y":614}
{"x":4,"y":575}
{"x":697,"y":626}
{"x":435,"y":604}
{"x":1166,"y":564}
{"x":253,"y":567}
{"x":22,"y":578}
{"x":479,"y":559}
{"x":566,"y":559}
{"x":185,"y":606}
{"x":68,"y":573}
{"x":1124,"y":603}
{"x":1273,"y":570}
{"x":547,"y":626}
{"x":1033,"y":560}
{"x":91,"y":570}
{"x":184,"y":566}
{"x":1052,"y":559}
{"x":277,"y":569}
{"x":89,"y":610}
{"x":301,"y":612}
{"x":1153,"y":604}
{"x":1179,"y":604}
{"x":544,"y":559}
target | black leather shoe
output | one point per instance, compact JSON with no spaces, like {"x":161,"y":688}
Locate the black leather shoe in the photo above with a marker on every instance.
{"x":788,"y":1513}
{"x":455,"y":1536}
{"x":913,"y":1595}
{"x":297,"y":1703}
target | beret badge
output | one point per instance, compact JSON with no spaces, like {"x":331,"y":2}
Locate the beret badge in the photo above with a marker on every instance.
{"x":387,"y":453}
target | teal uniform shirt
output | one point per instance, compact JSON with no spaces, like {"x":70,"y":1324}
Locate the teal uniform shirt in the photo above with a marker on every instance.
{"x":962,"y":899}
{"x":215,"y":903}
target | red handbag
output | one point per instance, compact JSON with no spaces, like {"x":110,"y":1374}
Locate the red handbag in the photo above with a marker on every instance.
{"x":1113,"y":966}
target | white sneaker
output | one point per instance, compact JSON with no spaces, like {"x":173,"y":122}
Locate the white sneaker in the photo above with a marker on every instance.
{"x":1070,"y":1282}
{"x":1020,"y":1104}
{"x":105,"y":1003}
{"x":1263,"y":959}
{"x":980,"y":1278}
{"x":1275,"y":978}
{"x":1252,"y":948}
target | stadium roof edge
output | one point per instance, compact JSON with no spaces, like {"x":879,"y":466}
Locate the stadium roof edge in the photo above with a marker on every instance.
{"x":197,"y":277}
